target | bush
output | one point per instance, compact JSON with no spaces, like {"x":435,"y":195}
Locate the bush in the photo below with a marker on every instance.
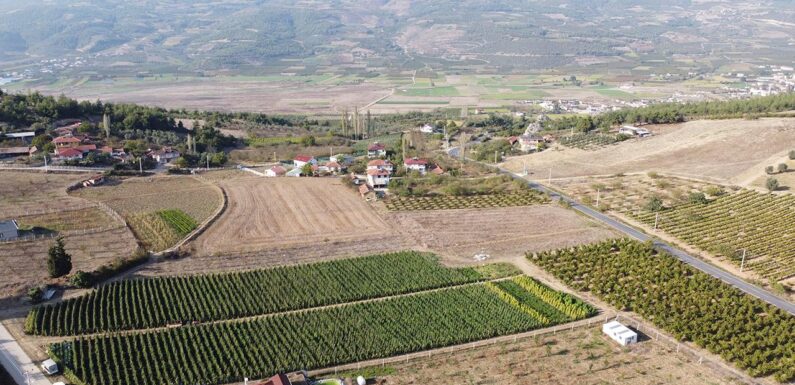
{"x":714,"y":191}
{"x":697,"y":198}
{"x":769,"y":170}
{"x":792,"y":154}
{"x":81,"y":279}
{"x":772,"y":184}
{"x":59,"y":262}
{"x":782,"y":167}
{"x":35,"y":294}
{"x":654,"y":204}
{"x":653,"y":174}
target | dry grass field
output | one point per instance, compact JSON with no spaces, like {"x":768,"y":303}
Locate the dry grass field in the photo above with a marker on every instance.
{"x":499,"y":232}
{"x":728,"y":151}
{"x":22,"y":193}
{"x":265,"y":213}
{"x":583,"y":356}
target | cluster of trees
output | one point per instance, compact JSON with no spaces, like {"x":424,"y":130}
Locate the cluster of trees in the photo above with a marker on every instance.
{"x":676,"y":113}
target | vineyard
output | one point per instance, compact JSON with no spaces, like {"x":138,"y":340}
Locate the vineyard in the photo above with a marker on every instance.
{"x":152,"y":230}
{"x":441,"y":202}
{"x":155,"y":302}
{"x":228,"y":352}
{"x":588,"y":141}
{"x":178,"y":221}
{"x":762,"y":224}
{"x":691,"y":305}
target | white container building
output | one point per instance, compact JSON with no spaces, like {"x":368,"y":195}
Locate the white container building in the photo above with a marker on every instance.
{"x":620,"y":333}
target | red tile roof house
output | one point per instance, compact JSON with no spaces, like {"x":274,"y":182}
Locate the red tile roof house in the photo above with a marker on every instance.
{"x":376,"y":150}
{"x":279,"y":379}
{"x":86,"y":148}
{"x":66,"y":141}
{"x":164,"y":155}
{"x":275,"y":171}
{"x":69,"y":153}
{"x":331,"y":167}
{"x":378,"y":179}
{"x":301,"y":160}
{"x":380,"y":164}
{"x":414,"y":164}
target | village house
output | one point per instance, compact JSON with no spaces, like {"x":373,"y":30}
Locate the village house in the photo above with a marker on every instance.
{"x":86,"y":148}
{"x":68,"y":153}
{"x":378,"y":179}
{"x":26,"y":136}
{"x":415,"y":164}
{"x":164,"y":155}
{"x":275,"y":171}
{"x":634,"y":131}
{"x":376,"y":150}
{"x":296,"y":172}
{"x":380,"y":165}
{"x":332,"y":167}
{"x":66,"y":141}
{"x":426,"y":129}
{"x":9,"y":230}
{"x":528,"y":143}
{"x":301,"y":160}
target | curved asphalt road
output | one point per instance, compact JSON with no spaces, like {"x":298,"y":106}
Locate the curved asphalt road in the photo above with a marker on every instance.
{"x":684,"y":257}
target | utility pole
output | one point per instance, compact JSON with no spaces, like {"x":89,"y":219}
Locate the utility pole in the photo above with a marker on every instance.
{"x":208,"y":161}
{"x":656,"y":220}
{"x":742,"y":264}
{"x":550,"y":176}
{"x":597,"y":197}
{"x":495,"y":157}
{"x":140,"y":165}
{"x":45,"y":162}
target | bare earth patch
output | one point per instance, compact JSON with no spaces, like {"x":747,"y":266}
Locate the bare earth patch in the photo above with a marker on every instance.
{"x":499,"y":232}
{"x":727,"y":151}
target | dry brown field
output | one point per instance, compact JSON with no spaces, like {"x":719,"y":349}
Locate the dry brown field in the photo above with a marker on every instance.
{"x":727,"y":151}
{"x":23,"y":193}
{"x":265,"y":213}
{"x":498,"y":232}
{"x":581,"y":356}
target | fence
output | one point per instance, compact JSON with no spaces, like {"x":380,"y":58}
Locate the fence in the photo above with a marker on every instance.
{"x":654,"y":336}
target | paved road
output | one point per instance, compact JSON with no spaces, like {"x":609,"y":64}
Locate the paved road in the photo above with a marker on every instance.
{"x":683,"y":256}
{"x":16,"y":362}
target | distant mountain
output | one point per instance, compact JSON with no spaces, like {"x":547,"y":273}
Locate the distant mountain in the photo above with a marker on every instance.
{"x":303,"y":36}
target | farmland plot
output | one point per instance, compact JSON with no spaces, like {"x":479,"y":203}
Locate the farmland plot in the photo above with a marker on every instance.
{"x":267,"y":213}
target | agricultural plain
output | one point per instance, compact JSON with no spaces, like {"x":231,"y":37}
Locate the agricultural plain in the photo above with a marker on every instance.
{"x":729,"y":151}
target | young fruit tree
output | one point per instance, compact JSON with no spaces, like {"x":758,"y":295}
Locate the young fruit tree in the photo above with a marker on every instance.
{"x":59,"y":262}
{"x":772,"y":184}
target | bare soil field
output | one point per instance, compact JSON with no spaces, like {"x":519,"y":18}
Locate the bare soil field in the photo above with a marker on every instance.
{"x":266,"y":213}
{"x":24,"y":263}
{"x":499,"y":232}
{"x":135,"y":195}
{"x":582,"y":356}
{"x":25,"y":193}
{"x":726,"y":151}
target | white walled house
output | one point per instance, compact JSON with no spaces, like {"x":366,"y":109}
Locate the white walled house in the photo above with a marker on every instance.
{"x":378,"y":179}
{"x":275,"y":171}
{"x":381,"y":165}
{"x":376,"y":150}
{"x":414,"y":164}
{"x":301,"y":160}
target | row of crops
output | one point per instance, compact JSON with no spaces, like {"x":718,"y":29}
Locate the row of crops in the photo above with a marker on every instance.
{"x":443,"y":202}
{"x":228,"y":352}
{"x":587,"y":141}
{"x":689,"y":304}
{"x":155,"y":302}
{"x":763,"y":224}
{"x":182,"y":223}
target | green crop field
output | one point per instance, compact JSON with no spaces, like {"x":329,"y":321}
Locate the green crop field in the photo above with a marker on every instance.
{"x":691,"y":305}
{"x":156,"y":302}
{"x":258,"y":348}
{"x":762,"y":224}
{"x":180,"y":222}
{"x":588,"y":141}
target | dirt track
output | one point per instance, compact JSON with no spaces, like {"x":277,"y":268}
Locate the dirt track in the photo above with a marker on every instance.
{"x":727,"y":151}
{"x":266,"y":213}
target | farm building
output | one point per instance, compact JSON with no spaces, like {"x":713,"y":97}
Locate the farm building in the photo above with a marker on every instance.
{"x":378,"y":179}
{"x":95,"y":180}
{"x":531,"y":142}
{"x":376,"y":150}
{"x":296,"y":172}
{"x":634,"y":131}
{"x":15,"y":151}
{"x":426,"y":129}
{"x":415,"y":164}
{"x":620,"y":333}
{"x":9,"y":230}
{"x":275,"y":171}
{"x":380,"y":165}
{"x":301,"y":160}
{"x":26,"y":136}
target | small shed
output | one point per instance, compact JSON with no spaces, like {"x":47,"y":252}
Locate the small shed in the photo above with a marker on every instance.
{"x":9,"y":230}
{"x":49,"y":367}
{"x":620,"y":333}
